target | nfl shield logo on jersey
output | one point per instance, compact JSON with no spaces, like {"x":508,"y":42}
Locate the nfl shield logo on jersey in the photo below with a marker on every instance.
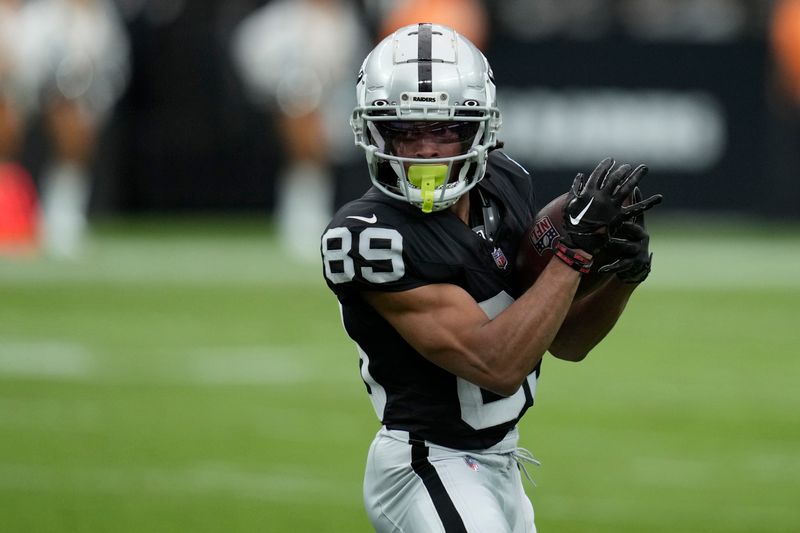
{"x":500,"y":258}
{"x":544,"y":235}
{"x":472,"y":463}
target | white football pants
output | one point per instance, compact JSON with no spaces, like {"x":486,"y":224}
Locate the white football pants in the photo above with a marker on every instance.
{"x":413,"y":486}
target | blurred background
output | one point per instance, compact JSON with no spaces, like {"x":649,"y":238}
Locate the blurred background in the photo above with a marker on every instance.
{"x":170,"y":358}
{"x":242,"y":106}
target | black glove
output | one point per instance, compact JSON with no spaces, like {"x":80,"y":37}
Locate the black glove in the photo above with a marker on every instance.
{"x":595,"y":209}
{"x":630,"y":245}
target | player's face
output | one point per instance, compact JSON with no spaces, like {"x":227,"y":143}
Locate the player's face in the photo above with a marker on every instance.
{"x":429,"y":140}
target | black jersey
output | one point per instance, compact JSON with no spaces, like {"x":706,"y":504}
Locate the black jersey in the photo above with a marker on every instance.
{"x":377,"y":243}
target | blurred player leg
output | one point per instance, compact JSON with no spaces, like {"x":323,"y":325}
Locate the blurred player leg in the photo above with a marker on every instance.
{"x":65,"y":197}
{"x":10,"y":130}
{"x":305,"y":202}
{"x":76,"y":64}
{"x":306,"y":187}
{"x":11,"y":112}
{"x":294,"y":57}
{"x":18,"y":200}
{"x":66,"y":184}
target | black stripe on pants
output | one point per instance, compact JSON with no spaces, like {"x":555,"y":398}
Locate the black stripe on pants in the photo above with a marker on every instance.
{"x":445,"y":508}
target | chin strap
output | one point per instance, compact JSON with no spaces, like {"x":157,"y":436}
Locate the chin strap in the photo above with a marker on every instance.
{"x":491,"y":216}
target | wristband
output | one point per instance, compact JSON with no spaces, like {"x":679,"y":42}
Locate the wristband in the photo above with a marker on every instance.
{"x":573,"y":258}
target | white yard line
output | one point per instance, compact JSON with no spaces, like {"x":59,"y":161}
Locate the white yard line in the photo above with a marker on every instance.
{"x":746,"y":263}
{"x":52,"y":414}
{"x":735,"y":515}
{"x":218,"y":366}
{"x":238,"y":365}
{"x":283,"y":484}
{"x":176,"y":261}
{"x":61,"y":361}
{"x":680,"y":261}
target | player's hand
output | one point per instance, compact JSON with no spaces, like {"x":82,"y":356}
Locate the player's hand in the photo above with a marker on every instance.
{"x":631,"y":246}
{"x":595,"y":208}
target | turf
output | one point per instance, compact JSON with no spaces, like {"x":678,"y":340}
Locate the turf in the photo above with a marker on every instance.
{"x":184,"y":376}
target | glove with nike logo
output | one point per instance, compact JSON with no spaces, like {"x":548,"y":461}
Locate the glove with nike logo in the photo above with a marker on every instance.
{"x":595,"y":210}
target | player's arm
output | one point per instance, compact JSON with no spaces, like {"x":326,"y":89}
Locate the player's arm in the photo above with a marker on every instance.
{"x":591,"y":318}
{"x":445,"y":324}
{"x":600,"y":201}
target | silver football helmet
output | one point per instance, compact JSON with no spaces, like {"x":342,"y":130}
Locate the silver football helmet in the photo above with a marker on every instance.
{"x":426,"y":115}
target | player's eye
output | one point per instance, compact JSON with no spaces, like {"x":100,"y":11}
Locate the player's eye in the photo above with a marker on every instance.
{"x":440,"y":131}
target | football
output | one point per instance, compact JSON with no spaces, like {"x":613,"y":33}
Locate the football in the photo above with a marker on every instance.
{"x":538,"y":244}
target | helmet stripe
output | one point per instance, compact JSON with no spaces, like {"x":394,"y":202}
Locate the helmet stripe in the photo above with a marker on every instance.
{"x":424,"y":64}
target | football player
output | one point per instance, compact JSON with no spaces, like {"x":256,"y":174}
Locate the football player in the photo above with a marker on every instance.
{"x":283,"y":54}
{"x":450,"y":349}
{"x":75,"y":68}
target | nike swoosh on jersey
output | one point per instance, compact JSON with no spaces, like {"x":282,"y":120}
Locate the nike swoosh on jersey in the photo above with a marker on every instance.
{"x":369,"y":220}
{"x":576,"y":220}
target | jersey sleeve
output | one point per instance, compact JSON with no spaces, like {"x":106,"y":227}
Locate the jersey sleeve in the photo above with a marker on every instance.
{"x":523,"y":181}
{"x":358,"y":256}
{"x":524,"y":197}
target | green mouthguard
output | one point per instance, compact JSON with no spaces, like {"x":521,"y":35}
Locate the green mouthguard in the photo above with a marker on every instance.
{"x":427,"y":178}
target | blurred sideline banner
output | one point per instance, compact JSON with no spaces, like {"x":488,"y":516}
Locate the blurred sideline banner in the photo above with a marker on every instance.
{"x":694,"y":113}
{"x":185,"y":137}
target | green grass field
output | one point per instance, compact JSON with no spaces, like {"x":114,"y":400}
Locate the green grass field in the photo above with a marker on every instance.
{"x":184,"y":377}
